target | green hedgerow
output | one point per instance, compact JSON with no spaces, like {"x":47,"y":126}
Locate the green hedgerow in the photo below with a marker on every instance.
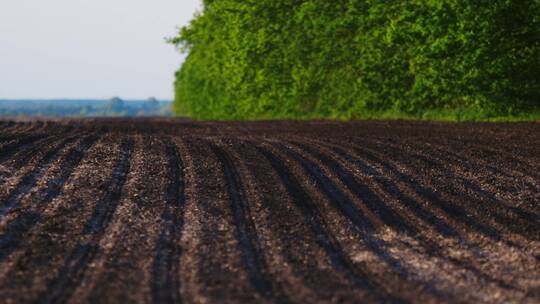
{"x":343,"y":59}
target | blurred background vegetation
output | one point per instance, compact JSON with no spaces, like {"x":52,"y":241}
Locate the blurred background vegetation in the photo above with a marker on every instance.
{"x":115,"y":107}
{"x":432,"y":59}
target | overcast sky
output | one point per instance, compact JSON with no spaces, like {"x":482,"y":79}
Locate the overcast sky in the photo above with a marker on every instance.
{"x":90,"y":48}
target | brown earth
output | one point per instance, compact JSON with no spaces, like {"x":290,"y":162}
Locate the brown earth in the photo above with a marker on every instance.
{"x":170,"y":211}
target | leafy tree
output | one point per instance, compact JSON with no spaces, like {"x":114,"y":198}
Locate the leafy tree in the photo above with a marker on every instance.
{"x":316,"y":58}
{"x":116,"y":105}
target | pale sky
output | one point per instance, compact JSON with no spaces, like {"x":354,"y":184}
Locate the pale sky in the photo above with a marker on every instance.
{"x":90,"y":48}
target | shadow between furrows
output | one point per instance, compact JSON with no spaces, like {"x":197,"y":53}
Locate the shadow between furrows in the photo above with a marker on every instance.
{"x":503,"y":206}
{"x":472,"y":162}
{"x":389,"y":217}
{"x":16,"y":230}
{"x":453,"y":211}
{"x":391,"y":188}
{"x":10,"y":148}
{"x":506,"y":154}
{"x":165,"y":271}
{"x":7,"y":126}
{"x":246,"y":233}
{"x":6,"y":138}
{"x":60,"y":289}
{"x":16,"y":130}
{"x":312,"y":217}
{"x":287,"y":238}
{"x":527,"y":230}
{"x":31,"y":178}
{"x":25,"y":155}
{"x":362,"y":191}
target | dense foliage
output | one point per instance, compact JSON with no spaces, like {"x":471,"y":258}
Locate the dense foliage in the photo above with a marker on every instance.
{"x":341,"y":59}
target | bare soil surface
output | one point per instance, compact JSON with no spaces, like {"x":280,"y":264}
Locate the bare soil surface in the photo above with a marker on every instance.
{"x":172,"y":211}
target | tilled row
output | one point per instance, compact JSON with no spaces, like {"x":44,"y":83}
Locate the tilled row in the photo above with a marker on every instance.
{"x":93,"y":213}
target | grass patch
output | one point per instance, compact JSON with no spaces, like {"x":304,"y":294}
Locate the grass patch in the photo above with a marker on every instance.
{"x":464,"y":115}
{"x":467,"y":115}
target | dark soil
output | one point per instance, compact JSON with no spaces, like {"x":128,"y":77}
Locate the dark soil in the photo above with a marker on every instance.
{"x":171,"y":211}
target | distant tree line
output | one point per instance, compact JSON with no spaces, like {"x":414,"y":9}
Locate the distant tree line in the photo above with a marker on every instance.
{"x":114,"y":107}
{"x":340,"y":59}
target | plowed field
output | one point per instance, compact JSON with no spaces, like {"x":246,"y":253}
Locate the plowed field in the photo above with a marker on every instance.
{"x":169,"y":211}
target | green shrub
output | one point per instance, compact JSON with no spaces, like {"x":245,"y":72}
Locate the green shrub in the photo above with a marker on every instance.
{"x":342,"y":59}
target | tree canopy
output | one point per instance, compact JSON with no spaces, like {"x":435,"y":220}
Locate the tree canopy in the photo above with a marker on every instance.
{"x":338,"y":59}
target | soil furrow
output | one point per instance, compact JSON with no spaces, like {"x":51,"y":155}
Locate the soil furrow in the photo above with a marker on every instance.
{"x":368,"y":197}
{"x":165,"y":272}
{"x":434,"y":196}
{"x":57,"y":232}
{"x":26,"y":152}
{"x":60,"y":288}
{"x":477,"y":180}
{"x":392,"y":188}
{"x":376,"y":206}
{"x":496,"y":211}
{"x":15,"y":164}
{"x":417,"y":190}
{"x":21,"y":142}
{"x":338,"y":258}
{"x":212,"y":223}
{"x":23,"y":156}
{"x":484,"y":151}
{"x":30,"y":180}
{"x":477,"y":169}
{"x":167,"y":210}
{"x":291,"y":252}
{"x":8,"y":126}
{"x":17,"y":229}
{"x":121,"y":272}
{"x":470,"y":264}
{"x":431,"y":247}
{"x":248,"y":241}
{"x":20,"y":128}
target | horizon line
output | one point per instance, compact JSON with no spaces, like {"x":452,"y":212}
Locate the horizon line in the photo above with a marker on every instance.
{"x":82,"y":99}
